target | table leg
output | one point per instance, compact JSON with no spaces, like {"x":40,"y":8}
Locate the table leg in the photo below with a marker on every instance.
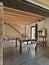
{"x":27,"y":42}
{"x":20,"y":47}
{"x":36,"y":47}
{"x":16,"y":42}
{"x":45,"y":42}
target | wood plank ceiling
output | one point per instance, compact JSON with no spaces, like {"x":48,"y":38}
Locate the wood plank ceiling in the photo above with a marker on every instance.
{"x":26,"y":6}
{"x":15,"y":16}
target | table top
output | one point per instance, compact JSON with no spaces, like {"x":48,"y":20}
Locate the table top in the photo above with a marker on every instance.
{"x":23,"y":39}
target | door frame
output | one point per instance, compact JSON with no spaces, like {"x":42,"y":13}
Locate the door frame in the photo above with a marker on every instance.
{"x":36,"y":31}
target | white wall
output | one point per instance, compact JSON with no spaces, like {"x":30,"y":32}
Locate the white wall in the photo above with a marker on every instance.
{"x":47,"y":26}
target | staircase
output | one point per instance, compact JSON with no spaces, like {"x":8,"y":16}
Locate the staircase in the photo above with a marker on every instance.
{"x":12,"y":26}
{"x":15,"y":28}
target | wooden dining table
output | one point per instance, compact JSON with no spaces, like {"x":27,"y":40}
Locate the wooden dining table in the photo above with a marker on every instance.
{"x":23,"y":39}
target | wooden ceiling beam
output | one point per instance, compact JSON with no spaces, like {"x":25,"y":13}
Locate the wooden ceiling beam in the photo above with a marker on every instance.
{"x":7,"y":9}
{"x":37,"y":19}
{"x":17,"y":17}
{"x":18,"y":20}
{"x":20,"y":17}
{"x":23,"y":16}
{"x":19,"y":11}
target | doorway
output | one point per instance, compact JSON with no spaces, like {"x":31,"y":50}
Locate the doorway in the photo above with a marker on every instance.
{"x":34,"y":32}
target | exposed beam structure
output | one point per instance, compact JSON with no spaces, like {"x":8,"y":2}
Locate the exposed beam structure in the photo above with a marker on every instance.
{"x":20,"y":17}
{"x":26,"y":6}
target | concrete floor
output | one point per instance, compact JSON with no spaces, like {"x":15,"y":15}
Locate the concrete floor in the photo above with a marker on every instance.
{"x":11,"y":56}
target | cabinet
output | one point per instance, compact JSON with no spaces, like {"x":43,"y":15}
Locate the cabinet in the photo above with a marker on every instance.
{"x":42,"y":34}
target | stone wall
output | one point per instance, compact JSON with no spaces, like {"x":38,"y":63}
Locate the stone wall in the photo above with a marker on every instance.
{"x":1,"y":33}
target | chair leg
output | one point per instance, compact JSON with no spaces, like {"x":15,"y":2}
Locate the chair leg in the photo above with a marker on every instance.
{"x":36,"y":48}
{"x":20,"y":47}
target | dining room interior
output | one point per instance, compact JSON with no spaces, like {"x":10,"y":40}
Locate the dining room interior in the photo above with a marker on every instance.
{"x":24,"y":32}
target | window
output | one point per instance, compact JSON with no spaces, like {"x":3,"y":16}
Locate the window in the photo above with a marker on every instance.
{"x":33,"y":32}
{"x":26,"y":29}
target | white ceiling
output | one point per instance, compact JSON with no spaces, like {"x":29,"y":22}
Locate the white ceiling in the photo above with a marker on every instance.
{"x":42,"y":3}
{"x":1,"y":3}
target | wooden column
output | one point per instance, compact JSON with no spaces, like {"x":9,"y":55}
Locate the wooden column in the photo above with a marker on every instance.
{"x":36,"y":31}
{"x":36,"y":35}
